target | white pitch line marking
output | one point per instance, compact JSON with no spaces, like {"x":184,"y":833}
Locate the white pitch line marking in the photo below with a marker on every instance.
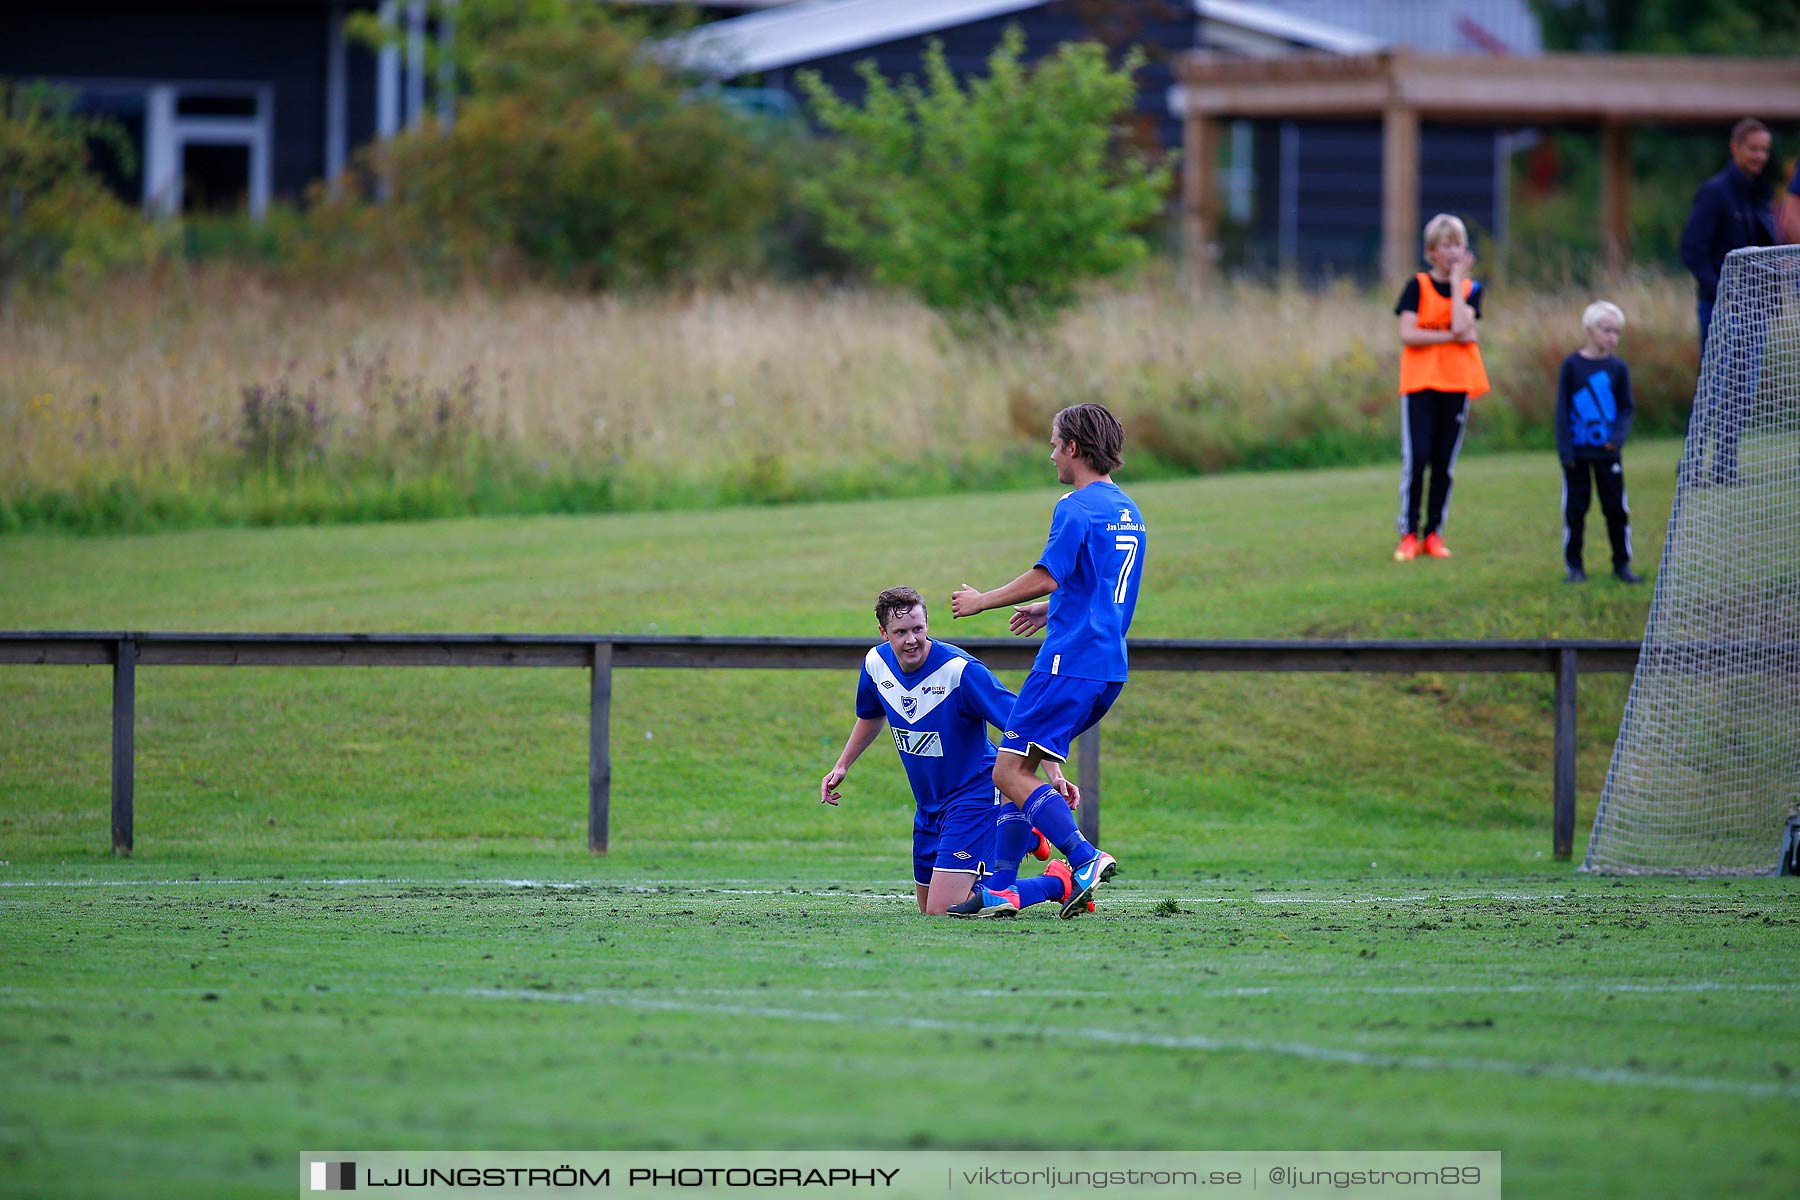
{"x":704,"y":888}
{"x":1117,"y":1037}
{"x":1304,"y":990}
{"x":1247,"y":991}
{"x":1609,"y":1076}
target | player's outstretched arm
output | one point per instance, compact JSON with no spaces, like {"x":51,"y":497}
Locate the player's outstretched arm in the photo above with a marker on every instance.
{"x":1034,"y":584}
{"x":862,"y":734}
{"x":1027,"y":619}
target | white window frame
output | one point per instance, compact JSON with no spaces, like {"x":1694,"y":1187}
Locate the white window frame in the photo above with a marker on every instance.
{"x":337,"y":97}
{"x":168,"y":134}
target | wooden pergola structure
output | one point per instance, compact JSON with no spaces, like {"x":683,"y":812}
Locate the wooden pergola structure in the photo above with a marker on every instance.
{"x":1402,"y":89}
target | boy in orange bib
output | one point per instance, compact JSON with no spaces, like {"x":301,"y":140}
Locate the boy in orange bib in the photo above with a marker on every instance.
{"x":1440,"y":372}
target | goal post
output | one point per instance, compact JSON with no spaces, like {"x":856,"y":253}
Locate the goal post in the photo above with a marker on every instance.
{"x":1706,"y":769}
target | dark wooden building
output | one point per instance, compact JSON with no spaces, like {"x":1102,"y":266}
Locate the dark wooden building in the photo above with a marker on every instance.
{"x":1409,"y":110}
{"x":766,"y":50}
{"x":232,"y":103}
{"x":1300,"y":193}
{"x":229,"y":102}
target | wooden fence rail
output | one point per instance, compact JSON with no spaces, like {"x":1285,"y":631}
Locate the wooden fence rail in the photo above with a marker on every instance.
{"x":602,"y":654}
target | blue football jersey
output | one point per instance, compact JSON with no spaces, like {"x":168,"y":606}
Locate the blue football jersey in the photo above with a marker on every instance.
{"x":939,"y":716}
{"x":1096,"y":555}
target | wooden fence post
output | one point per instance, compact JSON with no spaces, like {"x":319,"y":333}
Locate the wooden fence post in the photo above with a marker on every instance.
{"x":602,"y":653}
{"x":1562,"y":817}
{"x":124,"y":726}
{"x":599,"y":746}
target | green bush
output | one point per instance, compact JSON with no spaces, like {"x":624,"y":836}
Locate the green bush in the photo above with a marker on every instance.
{"x":58,"y":221}
{"x":992,"y":204}
{"x":577,"y":158}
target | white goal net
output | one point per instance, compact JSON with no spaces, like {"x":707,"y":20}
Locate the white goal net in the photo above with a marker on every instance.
{"x":1707,"y":765}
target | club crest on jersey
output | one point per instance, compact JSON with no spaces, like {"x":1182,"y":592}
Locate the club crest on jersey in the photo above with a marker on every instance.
{"x":913,"y":704}
{"x":921,"y":743}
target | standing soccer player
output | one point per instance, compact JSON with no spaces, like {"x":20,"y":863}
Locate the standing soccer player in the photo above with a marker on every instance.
{"x":1090,"y":569}
{"x":939,"y":702}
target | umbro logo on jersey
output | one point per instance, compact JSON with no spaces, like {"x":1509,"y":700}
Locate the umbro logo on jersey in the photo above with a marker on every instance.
{"x":963,"y":854}
{"x":1010,"y":735}
{"x":913,"y":704}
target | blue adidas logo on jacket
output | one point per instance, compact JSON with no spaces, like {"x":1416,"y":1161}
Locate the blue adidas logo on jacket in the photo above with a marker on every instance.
{"x":1593,"y":407}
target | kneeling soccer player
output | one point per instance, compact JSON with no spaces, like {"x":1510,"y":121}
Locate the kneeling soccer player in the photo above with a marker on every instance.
{"x":939,"y":701}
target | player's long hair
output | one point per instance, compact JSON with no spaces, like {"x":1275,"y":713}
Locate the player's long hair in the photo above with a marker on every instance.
{"x":1096,"y":431}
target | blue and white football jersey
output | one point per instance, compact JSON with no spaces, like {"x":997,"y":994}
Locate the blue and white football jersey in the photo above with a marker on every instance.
{"x":939,"y":716}
{"x":1096,"y":555}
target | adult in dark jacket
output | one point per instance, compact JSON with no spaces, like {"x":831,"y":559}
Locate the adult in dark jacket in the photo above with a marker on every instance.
{"x":1730,"y":211}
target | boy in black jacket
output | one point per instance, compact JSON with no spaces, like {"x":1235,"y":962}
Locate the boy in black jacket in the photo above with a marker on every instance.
{"x":1593,"y":419}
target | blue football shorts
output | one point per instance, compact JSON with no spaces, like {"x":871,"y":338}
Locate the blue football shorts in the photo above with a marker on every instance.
{"x":1053,"y":710}
{"x":958,"y":838}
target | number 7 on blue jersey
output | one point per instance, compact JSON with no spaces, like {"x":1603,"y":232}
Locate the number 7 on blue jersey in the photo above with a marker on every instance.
{"x":1128,"y":545}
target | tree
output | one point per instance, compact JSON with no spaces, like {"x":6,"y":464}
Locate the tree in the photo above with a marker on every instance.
{"x":575,"y":155}
{"x":1552,"y":225}
{"x":1672,"y":26}
{"x":992,"y":203}
{"x":48,"y":191}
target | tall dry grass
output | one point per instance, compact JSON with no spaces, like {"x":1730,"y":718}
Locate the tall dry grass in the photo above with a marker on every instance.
{"x":212,"y":379}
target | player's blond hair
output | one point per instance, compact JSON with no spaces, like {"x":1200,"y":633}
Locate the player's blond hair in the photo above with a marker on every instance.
{"x":1590,"y":316}
{"x":1445,"y":227}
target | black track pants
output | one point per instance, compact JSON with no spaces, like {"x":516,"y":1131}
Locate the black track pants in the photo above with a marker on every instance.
{"x":1431,"y":429}
{"x":1608,"y":478}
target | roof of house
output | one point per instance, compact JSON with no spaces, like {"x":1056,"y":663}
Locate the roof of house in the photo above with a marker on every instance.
{"x":815,"y":29}
{"x":809,"y":30}
{"x":743,"y":4}
{"x":1259,"y":30}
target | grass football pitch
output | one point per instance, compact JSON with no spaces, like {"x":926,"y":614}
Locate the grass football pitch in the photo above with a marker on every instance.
{"x":360,"y":914}
{"x":1610,"y":1038}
